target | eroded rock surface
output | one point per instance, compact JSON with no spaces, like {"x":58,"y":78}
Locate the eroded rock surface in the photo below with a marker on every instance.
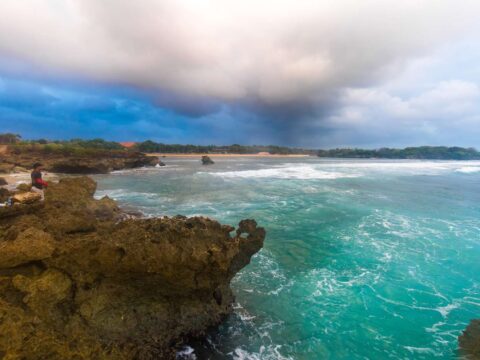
{"x":469,"y":341}
{"x":101,"y":164}
{"x":78,"y":281}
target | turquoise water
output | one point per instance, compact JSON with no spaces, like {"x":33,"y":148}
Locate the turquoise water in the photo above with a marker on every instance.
{"x":363,"y":259}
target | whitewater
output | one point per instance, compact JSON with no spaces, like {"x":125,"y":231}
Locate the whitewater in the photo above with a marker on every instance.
{"x":364,"y":259}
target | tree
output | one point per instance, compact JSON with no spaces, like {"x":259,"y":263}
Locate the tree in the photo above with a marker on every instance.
{"x":9,"y":138}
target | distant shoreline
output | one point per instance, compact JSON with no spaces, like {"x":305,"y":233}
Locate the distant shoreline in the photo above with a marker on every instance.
{"x":228,"y":155}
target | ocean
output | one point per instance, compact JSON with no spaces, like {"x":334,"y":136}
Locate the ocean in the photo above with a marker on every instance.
{"x":364,"y":259}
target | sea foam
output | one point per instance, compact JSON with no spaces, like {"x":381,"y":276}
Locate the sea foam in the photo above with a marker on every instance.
{"x":299,"y":172}
{"x":353,"y":169}
{"x":468,"y":169}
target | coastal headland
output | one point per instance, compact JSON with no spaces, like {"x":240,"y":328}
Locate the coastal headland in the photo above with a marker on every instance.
{"x":81,"y":279}
{"x":86,"y":162}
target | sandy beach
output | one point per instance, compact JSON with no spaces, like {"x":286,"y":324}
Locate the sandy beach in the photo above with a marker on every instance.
{"x":259,"y":155}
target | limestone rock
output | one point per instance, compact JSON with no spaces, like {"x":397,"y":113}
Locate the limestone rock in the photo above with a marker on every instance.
{"x":30,"y":245}
{"x":77,"y":281}
{"x":101,"y":164}
{"x":206,"y":160}
{"x":26,"y":197}
{"x":24,"y":187}
{"x":45,"y":291}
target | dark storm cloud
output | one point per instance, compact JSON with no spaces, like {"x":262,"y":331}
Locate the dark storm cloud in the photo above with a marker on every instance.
{"x":288,"y":64}
{"x":275,"y":52}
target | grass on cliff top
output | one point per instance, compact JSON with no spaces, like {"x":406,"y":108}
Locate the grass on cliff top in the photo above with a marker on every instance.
{"x":80,"y":148}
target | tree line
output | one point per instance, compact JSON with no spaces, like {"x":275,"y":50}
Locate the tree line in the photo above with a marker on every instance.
{"x":90,"y":146}
{"x":154,"y":147}
{"x":418,"y":152}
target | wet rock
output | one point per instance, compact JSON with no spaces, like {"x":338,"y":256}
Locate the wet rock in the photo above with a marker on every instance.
{"x":77,"y":281}
{"x":206,"y":160}
{"x":469,"y":340}
{"x":3,"y":182}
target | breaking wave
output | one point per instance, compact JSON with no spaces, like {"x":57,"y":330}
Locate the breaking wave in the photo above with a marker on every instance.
{"x":469,"y":169}
{"x":298,"y":172}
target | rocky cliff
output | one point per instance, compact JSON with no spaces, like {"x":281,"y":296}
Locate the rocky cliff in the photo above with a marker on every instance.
{"x":81,"y":280}
{"x":101,"y":163}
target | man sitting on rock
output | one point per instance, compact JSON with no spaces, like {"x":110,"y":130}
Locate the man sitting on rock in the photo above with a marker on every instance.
{"x":38,"y":184}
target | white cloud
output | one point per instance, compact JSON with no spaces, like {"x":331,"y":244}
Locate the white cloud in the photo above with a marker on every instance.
{"x":446,"y":113}
{"x":273,"y":51}
{"x":448,"y":99}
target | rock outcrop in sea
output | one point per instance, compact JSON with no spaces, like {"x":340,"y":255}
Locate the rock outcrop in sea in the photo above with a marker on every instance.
{"x":469,"y":341}
{"x":80,"y":279}
{"x":206,"y":160}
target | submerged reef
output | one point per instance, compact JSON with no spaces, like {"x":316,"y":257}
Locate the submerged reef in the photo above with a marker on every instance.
{"x":80,"y":279}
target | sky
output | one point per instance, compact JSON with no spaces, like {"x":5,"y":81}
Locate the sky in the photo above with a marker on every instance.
{"x":306,"y":73}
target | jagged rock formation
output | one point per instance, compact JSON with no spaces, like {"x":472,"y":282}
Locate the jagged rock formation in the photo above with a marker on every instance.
{"x":469,"y":341}
{"x":78,"y":280}
{"x":101,"y":164}
{"x":206,"y":160}
{"x":4,"y":194}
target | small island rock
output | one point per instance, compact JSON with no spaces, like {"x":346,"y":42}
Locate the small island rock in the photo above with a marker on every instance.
{"x":206,"y":160}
